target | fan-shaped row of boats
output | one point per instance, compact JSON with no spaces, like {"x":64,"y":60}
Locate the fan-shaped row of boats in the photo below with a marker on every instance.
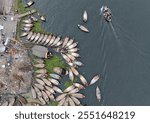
{"x":46,"y":87}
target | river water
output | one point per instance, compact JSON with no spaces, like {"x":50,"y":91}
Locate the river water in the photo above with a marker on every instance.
{"x":120,"y":54}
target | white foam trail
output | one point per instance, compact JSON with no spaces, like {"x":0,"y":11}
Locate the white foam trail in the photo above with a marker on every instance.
{"x":115,"y":34}
{"x":114,"y":31}
{"x":130,"y":39}
{"x":132,"y":42}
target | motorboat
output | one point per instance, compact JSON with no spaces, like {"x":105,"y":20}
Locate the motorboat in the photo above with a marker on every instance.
{"x":106,"y":13}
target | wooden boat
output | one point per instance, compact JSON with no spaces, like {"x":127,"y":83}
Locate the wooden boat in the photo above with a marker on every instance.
{"x":30,"y":3}
{"x":95,"y":79}
{"x":98,"y":94}
{"x":24,"y":34}
{"x":83,"y":28}
{"x":43,"y":18}
{"x":85,"y":16}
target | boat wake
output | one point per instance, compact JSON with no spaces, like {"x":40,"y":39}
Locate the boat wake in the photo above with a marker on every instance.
{"x":123,"y":37}
{"x":115,"y":33}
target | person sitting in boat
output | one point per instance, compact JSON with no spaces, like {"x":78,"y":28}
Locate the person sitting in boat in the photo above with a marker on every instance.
{"x":106,"y":13}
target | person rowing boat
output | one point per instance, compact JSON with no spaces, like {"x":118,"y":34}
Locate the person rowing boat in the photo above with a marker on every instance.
{"x":106,"y":13}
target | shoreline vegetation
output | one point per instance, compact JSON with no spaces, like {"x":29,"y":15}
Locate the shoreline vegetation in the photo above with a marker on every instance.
{"x":19,"y":8}
{"x":54,"y":61}
{"x":37,"y":27}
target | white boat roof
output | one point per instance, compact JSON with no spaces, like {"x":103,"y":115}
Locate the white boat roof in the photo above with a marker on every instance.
{"x":1,"y":27}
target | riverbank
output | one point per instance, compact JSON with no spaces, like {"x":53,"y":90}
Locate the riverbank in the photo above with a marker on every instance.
{"x":15,"y":64}
{"x":53,"y":57}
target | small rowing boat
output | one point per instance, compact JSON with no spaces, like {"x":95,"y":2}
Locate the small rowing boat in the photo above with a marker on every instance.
{"x":83,"y":28}
{"x":85,"y":16}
